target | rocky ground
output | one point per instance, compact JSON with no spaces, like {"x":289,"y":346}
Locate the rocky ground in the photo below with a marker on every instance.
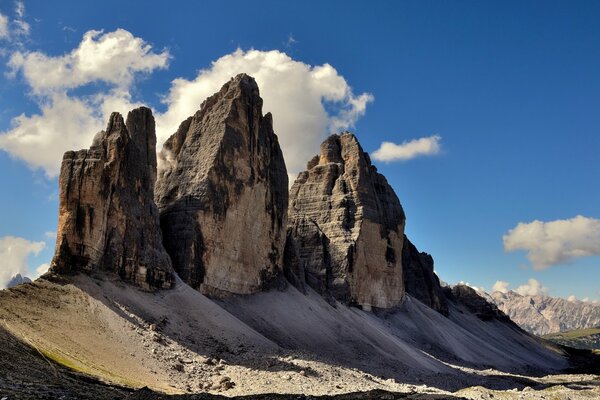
{"x":54,"y":342}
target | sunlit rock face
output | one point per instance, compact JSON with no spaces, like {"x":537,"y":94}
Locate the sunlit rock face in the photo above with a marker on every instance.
{"x":347,"y":226}
{"x":108,"y":221}
{"x":222,"y":192}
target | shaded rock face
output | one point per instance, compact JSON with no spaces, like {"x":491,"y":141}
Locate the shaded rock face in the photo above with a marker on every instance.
{"x":419,"y":279}
{"x":223,"y":194}
{"x":476,"y":303}
{"x":108,"y":220}
{"x":348,"y":227}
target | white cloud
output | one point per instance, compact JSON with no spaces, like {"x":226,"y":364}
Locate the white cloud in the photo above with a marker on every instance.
{"x":3,"y":26}
{"x":114,"y":58}
{"x":66,"y":121}
{"x":500,"y":286}
{"x":533,"y":287}
{"x":555,"y":242}
{"x":39,"y":271}
{"x":13,"y":253}
{"x":22,"y":27}
{"x":407,"y":150}
{"x":572,"y":298}
{"x":294,"y":92}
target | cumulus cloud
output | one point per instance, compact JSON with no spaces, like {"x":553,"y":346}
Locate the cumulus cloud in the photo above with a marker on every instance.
{"x":500,"y":286}
{"x":533,"y":287}
{"x":14,"y":252}
{"x":294,"y":92}
{"x":67,"y":121}
{"x":555,"y":242}
{"x":409,"y":149}
{"x":114,"y":58}
{"x":3,"y":26}
{"x":572,"y":298}
{"x":307,"y":102}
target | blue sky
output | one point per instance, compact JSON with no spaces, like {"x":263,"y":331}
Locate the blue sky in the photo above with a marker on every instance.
{"x":511,"y":88}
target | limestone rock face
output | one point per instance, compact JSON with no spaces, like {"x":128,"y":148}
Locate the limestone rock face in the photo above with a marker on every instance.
{"x":223,"y":194}
{"x":108,"y":220}
{"x":419,"y":279}
{"x":348,"y":226}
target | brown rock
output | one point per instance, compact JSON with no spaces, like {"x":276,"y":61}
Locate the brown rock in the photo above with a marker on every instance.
{"x":348,"y":227}
{"x":223,"y":194}
{"x":107,"y":217}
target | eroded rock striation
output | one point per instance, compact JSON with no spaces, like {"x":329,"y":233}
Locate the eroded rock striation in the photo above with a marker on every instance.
{"x":419,"y":279}
{"x":223,"y":194}
{"x":348,"y":227}
{"x":108,"y":220}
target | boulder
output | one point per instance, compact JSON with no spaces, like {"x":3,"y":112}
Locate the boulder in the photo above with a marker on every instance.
{"x":222,"y":192}
{"x":108,"y":220}
{"x":348,"y":227}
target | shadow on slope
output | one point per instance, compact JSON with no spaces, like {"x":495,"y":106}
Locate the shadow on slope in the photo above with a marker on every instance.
{"x":135,"y":338}
{"x":27,"y":374}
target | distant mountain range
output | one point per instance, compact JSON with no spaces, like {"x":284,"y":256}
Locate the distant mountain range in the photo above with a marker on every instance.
{"x":18,"y":280}
{"x":543,"y":315}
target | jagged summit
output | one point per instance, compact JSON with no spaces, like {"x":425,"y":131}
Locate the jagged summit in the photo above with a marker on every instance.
{"x":107,"y":217}
{"x":223,"y":194}
{"x":348,"y":226}
{"x":18,"y":279}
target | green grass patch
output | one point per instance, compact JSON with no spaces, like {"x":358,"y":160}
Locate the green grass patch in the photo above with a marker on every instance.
{"x":574,"y":334}
{"x":84,"y":368}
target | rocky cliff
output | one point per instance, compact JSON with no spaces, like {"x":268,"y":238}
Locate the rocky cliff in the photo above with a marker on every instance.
{"x":348,"y":226}
{"x":419,"y":279}
{"x":542,"y":315}
{"x":107,"y":217}
{"x":223,"y":194}
{"x":475,"y":303}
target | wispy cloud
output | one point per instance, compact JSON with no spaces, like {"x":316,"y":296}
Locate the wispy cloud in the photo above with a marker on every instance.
{"x":290,"y":41}
{"x":3,"y":26}
{"x":555,"y":242}
{"x":22,"y":27}
{"x":407,"y":150}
